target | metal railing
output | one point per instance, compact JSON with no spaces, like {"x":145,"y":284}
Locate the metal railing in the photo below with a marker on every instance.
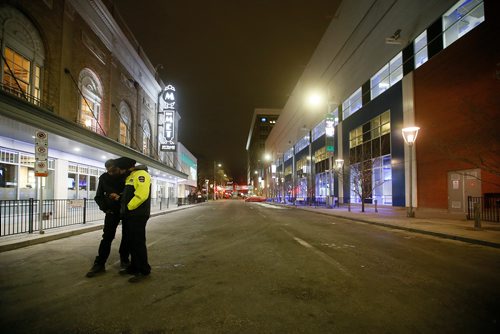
{"x":25,"y":216}
{"x":489,"y":208}
{"x":15,"y":91}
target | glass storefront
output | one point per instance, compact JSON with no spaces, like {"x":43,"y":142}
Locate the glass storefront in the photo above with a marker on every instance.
{"x":17,"y":176}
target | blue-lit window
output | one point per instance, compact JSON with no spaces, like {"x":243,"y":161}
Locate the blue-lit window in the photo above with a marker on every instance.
{"x":288,"y":154}
{"x":318,"y":130}
{"x":379,"y":83}
{"x":387,"y":76}
{"x":335,"y":114}
{"x":352,"y":104}
{"x":301,"y":144}
{"x":461,"y":18}
{"x":396,"y":68}
{"x":420,"y":47}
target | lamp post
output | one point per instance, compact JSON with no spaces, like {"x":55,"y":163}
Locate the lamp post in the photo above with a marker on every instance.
{"x":410,"y":136}
{"x":340,"y":166}
{"x":215,"y":185}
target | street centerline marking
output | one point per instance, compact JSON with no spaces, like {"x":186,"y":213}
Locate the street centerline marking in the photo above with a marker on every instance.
{"x":322,"y":255}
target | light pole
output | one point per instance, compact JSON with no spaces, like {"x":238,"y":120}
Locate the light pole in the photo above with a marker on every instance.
{"x":215,"y":185}
{"x":340,"y":166}
{"x":410,"y":136}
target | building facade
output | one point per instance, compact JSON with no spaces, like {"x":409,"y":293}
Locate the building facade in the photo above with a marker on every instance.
{"x":384,"y":67}
{"x":73,"y":70}
{"x":263,"y":121}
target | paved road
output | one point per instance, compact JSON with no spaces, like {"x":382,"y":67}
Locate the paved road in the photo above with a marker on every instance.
{"x":235,"y":267}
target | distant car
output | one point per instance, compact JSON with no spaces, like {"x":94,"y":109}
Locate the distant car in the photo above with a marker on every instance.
{"x":255,"y":199}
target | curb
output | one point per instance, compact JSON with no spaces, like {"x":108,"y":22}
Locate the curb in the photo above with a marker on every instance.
{"x":404,"y":228}
{"x":66,"y":234}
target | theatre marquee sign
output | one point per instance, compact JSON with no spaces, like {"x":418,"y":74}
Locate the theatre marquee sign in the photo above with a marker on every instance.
{"x":169,"y":142}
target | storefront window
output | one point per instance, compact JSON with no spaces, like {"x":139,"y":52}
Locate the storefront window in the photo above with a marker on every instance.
{"x":8,"y":183}
{"x":71,"y":186}
{"x":82,"y":186}
{"x":323,"y":185}
{"x":27,"y":182}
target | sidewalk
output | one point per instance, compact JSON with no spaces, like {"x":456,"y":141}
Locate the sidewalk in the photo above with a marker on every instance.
{"x":23,"y":240}
{"x":435,"y":223}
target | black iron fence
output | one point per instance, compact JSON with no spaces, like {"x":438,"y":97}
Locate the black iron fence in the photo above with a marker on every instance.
{"x":489,"y":207}
{"x":25,"y":216}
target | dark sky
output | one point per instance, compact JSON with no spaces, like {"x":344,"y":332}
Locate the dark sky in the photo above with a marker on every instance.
{"x":227,"y":58}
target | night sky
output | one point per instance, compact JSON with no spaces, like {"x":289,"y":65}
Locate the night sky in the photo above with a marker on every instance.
{"x":225,"y":59}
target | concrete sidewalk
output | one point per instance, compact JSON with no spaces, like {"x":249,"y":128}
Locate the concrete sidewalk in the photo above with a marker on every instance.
{"x":430,"y":222}
{"x":27,"y":239}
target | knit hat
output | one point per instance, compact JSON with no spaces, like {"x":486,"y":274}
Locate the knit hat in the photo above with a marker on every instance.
{"x":124,"y":163}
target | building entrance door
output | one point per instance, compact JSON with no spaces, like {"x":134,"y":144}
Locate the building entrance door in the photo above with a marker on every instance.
{"x":461,"y":184}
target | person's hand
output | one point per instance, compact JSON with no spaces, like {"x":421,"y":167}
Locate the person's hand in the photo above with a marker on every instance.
{"x":114,"y":196}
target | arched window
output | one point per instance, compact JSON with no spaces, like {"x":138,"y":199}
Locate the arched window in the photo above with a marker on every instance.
{"x":23,"y":55}
{"x":90,"y":101}
{"x":125,"y":123}
{"x":146,"y":139}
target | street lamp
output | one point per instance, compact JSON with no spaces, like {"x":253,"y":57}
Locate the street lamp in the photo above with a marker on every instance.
{"x":215,"y":185}
{"x":339,"y":163}
{"x":410,"y":136}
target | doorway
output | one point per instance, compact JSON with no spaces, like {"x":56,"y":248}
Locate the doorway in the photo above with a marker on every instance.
{"x":461,"y":184}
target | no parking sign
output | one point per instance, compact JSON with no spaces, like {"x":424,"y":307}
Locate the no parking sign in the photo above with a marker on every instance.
{"x":41,"y":154}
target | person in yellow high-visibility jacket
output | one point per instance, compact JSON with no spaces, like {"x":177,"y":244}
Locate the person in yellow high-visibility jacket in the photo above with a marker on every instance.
{"x":135,"y":212}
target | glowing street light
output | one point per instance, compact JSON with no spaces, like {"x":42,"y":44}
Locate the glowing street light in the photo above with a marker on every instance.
{"x":410,"y":136}
{"x":314,"y":99}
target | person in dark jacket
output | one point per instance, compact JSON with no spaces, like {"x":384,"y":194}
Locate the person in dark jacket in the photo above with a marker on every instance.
{"x":107,"y":197}
{"x":135,"y":211}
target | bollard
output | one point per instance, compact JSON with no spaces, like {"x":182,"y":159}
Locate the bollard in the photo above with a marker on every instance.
{"x":349,"y":205}
{"x":477,"y":216}
{"x":376,"y":206}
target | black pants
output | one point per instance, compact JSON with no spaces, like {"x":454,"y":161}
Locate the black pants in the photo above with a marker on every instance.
{"x":111,"y":222}
{"x":135,"y":228}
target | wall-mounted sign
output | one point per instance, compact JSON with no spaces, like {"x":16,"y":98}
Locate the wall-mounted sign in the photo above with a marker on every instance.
{"x":169,"y":132}
{"x":169,"y":125}
{"x":329,"y":132}
{"x":168,"y":96}
{"x":168,"y":147}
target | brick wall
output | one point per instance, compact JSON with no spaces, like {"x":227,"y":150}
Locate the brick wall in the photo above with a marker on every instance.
{"x":457,"y":106}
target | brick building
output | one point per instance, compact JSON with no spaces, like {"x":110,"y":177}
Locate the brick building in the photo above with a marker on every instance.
{"x":73,"y":69}
{"x":384,"y":66}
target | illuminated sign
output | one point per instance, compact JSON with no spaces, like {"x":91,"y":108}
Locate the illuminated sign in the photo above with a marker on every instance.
{"x":329,"y":132}
{"x":169,"y":131}
{"x":168,"y":96}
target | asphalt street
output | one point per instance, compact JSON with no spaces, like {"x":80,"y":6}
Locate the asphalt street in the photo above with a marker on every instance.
{"x":236,"y":267}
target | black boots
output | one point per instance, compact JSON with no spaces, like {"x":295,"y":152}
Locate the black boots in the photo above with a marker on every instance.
{"x":96,"y":269}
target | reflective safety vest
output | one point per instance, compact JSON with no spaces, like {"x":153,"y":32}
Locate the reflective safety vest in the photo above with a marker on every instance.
{"x":136,"y":198}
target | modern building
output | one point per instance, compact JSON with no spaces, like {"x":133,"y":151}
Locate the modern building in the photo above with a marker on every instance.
{"x":72,"y":70}
{"x":263,"y":121}
{"x":383,"y":66}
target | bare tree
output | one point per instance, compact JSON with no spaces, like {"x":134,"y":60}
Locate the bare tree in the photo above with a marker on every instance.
{"x":359,"y":176}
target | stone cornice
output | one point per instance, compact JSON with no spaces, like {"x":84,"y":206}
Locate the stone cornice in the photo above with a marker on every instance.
{"x":102,"y":23}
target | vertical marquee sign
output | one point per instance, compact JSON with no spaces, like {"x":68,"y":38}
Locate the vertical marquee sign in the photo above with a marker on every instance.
{"x":329,"y":132}
{"x":170,"y":142}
